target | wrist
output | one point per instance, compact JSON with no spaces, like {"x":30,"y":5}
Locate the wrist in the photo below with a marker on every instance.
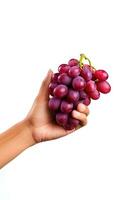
{"x":15,"y":140}
{"x":28,"y":133}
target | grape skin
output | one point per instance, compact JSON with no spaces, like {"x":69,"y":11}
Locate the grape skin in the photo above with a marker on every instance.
{"x":90,"y":86}
{"x":54,"y":103}
{"x":60,"y":91}
{"x":61,"y":118}
{"x":72,"y":124}
{"x":103,"y":86}
{"x":63,"y":68}
{"x":64,"y":79}
{"x":74,"y":71}
{"x":83,"y":94}
{"x":73,"y":85}
{"x":86,"y":101}
{"x":73,"y":62}
{"x":94,"y":95}
{"x":86,"y":73}
{"x":52,"y":86}
{"x":54,"y":78}
{"x":73,"y":95}
{"x":66,"y":107}
{"x":101,"y":75}
{"x":78,"y":83}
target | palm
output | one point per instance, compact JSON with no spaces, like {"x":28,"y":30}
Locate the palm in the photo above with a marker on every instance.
{"x":43,"y":124}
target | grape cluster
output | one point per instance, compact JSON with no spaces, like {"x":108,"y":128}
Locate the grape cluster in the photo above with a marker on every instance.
{"x":75,"y":83}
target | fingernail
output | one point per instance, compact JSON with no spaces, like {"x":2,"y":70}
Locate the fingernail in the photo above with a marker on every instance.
{"x":50,"y":71}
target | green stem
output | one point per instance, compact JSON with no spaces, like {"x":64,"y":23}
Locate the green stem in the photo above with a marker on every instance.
{"x":83,"y":57}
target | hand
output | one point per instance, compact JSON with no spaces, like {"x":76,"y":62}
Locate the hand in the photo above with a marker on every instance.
{"x":42,"y":124}
{"x":36,"y":127}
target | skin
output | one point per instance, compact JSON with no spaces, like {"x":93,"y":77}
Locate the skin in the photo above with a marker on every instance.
{"x":36,"y":127}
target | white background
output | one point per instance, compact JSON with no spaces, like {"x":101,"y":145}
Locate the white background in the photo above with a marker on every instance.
{"x":96,"y":162}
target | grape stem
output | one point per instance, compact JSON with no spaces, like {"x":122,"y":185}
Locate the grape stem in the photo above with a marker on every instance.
{"x":82,"y":58}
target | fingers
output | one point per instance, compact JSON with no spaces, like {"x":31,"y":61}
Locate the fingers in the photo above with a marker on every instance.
{"x":83,"y":108}
{"x":44,"y":92}
{"x":80,"y":116}
{"x":81,"y":113}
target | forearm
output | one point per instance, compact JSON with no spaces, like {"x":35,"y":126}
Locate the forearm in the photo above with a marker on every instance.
{"x":14,"y":141}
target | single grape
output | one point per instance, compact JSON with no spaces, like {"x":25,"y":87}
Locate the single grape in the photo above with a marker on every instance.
{"x":74,"y":71}
{"x":54,"y":78}
{"x":86,"y":73}
{"x":64,"y":79}
{"x":90,"y":86}
{"x":94,"y":95}
{"x":93,"y":73}
{"x":54,"y":104}
{"x":61,"y":118}
{"x":66,"y":107}
{"x":83,"y":94}
{"x":68,"y":127}
{"x":52,"y":85}
{"x":101,"y":75}
{"x":86,"y":101}
{"x":73,"y":95}
{"x":72,"y":124}
{"x":73,"y":62}
{"x":78,"y":83}
{"x":60,"y":91}
{"x":63,"y":68}
{"x":103,"y":86}
{"x":76,"y":104}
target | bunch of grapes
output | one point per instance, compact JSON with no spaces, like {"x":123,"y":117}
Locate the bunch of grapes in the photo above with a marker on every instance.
{"x":75,"y":83}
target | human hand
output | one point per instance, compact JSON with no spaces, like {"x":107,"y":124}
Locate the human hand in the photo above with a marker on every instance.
{"x":36,"y":127}
{"x":42,"y":125}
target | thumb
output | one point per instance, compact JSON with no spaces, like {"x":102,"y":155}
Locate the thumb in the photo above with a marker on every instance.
{"x":44,"y":91}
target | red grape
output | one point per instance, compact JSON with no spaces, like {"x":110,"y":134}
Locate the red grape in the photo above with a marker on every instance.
{"x":101,"y":75}
{"x":51,"y":87}
{"x":94,"y":95}
{"x":86,"y":101}
{"x":73,"y":121}
{"x":83,"y":94}
{"x":73,"y":95}
{"x":54,"y":78}
{"x":86,"y":73}
{"x":60,"y":91}
{"x":90,"y":87}
{"x":72,"y":124}
{"x":75,"y":83}
{"x":64,"y":79}
{"x":66,"y":107}
{"x":74,"y":71}
{"x":63,"y":68}
{"x":103,"y":87}
{"x":93,"y":73}
{"x":78,"y":83}
{"x":54,"y":103}
{"x":73,"y":62}
{"x":61,"y":118}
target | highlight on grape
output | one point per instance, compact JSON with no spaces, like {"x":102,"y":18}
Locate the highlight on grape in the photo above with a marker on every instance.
{"x":75,"y":83}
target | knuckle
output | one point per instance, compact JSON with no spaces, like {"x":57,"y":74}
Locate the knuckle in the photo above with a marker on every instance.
{"x":84,"y":120}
